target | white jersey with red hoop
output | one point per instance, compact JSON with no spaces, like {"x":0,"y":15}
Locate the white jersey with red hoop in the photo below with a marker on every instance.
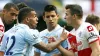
{"x":81,"y":38}
{"x":1,"y":30}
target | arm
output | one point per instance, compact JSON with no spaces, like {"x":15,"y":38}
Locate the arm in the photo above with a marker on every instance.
{"x":47,"y":47}
{"x":57,"y":55}
{"x":50,"y":46}
{"x":95,"y":48}
{"x":1,"y":53}
{"x":65,"y":52}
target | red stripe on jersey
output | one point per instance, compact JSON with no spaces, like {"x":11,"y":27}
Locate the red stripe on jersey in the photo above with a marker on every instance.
{"x":85,"y":52}
{"x":73,"y":42}
{"x":2,"y":28}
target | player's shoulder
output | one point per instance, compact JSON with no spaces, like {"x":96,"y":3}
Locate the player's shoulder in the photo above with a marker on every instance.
{"x":89,"y":27}
{"x":60,"y":29}
{"x":44,"y":31}
{"x":34,"y":31}
{"x":1,"y":22}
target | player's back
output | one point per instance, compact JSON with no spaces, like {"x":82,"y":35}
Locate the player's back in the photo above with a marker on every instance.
{"x":15,"y":40}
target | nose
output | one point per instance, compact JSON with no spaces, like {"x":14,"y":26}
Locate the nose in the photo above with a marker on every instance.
{"x":37,"y":20}
{"x":50,"y":18}
{"x":14,"y":17}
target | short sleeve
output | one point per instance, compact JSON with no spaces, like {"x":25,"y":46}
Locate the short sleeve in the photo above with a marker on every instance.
{"x":92,"y":34}
{"x":32,"y":37}
{"x":3,"y":43}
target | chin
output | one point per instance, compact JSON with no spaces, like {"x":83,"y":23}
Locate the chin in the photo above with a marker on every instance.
{"x":34,"y":27}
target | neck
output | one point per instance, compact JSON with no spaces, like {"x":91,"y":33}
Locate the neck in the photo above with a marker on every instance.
{"x":50,"y":28}
{"x":77,"y":24}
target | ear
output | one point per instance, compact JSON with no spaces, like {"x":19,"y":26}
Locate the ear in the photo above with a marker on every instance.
{"x":27,"y":19}
{"x":95,"y":25}
{"x":58,"y":16}
{"x":3,"y":11}
{"x":43,"y":17}
{"x":74,"y":16}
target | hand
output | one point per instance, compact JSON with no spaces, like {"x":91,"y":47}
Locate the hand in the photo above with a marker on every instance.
{"x":63,"y":35}
{"x":51,"y":39}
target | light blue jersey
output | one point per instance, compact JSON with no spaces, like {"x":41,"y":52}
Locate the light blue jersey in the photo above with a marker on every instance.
{"x":54,"y":33}
{"x":18,"y":41}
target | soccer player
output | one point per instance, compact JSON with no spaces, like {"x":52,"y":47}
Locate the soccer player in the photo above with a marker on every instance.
{"x":84,"y":38}
{"x":24,"y":35}
{"x":7,"y":19}
{"x":9,"y":15}
{"x":94,"y":20}
{"x":53,"y":30}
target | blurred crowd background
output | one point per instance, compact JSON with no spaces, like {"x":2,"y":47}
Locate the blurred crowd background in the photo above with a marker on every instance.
{"x":89,"y":7}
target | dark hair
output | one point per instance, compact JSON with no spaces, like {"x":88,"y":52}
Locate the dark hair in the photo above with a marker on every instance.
{"x":8,"y":6}
{"x":21,"y":5}
{"x":93,"y":19}
{"x":24,"y":12}
{"x":49,"y":8}
{"x":75,"y":9}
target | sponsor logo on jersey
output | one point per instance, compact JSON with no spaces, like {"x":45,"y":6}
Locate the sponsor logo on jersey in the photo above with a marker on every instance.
{"x":90,"y":28}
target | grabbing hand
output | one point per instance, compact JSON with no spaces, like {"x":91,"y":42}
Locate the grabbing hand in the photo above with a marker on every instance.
{"x":63,"y":35}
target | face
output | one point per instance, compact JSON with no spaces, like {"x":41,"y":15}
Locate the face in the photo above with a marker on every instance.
{"x":68,"y":17}
{"x":10,"y":16}
{"x":51,"y":18}
{"x":32,"y":20}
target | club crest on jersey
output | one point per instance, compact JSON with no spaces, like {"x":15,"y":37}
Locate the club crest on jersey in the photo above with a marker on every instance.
{"x":35,"y":37}
{"x":90,"y":28}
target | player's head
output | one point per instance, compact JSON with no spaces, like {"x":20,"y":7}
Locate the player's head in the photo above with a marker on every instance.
{"x":21,"y":5}
{"x":95,"y":20}
{"x":50,"y":15}
{"x":9,"y":13}
{"x":73,"y":12}
{"x":28,"y":16}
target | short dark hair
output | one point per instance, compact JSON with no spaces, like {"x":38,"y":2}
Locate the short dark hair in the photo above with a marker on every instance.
{"x":49,"y":8}
{"x":21,"y":5}
{"x":8,"y":6}
{"x":75,"y":9}
{"x":24,"y":12}
{"x":93,"y":19}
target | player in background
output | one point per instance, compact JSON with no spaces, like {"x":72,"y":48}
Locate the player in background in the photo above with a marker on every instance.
{"x":84,"y":38}
{"x":94,"y":20}
{"x":20,"y":6}
{"x":25,"y":34}
{"x":9,"y":15}
{"x":54,"y":30}
{"x":7,"y":19}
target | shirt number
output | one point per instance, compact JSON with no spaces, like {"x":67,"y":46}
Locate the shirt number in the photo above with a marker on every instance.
{"x":13,"y":42}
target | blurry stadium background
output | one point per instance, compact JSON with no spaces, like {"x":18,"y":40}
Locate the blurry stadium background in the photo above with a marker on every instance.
{"x":89,"y":7}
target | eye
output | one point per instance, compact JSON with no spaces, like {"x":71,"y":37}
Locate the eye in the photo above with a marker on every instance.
{"x":47,"y":16}
{"x":52,"y":15}
{"x":13,"y":14}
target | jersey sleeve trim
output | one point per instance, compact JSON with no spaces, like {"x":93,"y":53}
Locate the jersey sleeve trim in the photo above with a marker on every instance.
{"x":95,"y":40}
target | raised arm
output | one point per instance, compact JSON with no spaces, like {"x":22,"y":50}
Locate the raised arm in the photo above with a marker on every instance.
{"x":50,"y":46}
